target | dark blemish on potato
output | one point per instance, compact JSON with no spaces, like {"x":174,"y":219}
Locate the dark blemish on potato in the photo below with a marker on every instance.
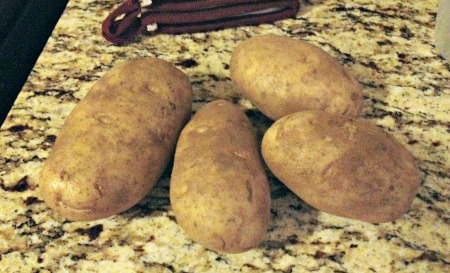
{"x":58,"y":197}
{"x":305,"y":59}
{"x":263,"y":95}
{"x":63,"y":175}
{"x":188,"y":63}
{"x":250,"y":191}
{"x":92,"y":232}
{"x":172,"y":105}
{"x":355,"y":96}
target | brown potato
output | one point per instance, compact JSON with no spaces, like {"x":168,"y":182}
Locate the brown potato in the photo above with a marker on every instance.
{"x":117,"y":141}
{"x":342,"y":166}
{"x":281,"y":76}
{"x":219,"y":190}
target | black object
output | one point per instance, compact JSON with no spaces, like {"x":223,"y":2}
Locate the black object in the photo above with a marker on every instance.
{"x":25,"y":26}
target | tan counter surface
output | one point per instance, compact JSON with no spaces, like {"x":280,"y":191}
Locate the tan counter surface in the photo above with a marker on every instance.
{"x":387,"y":45}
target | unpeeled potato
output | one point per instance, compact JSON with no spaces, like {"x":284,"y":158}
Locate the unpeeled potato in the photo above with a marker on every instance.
{"x":219,"y":190}
{"x":117,"y":141}
{"x":343,"y":166}
{"x":281,"y":76}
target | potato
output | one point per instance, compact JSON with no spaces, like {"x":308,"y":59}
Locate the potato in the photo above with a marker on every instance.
{"x":343,"y":166}
{"x":281,"y":76}
{"x":116,"y":142}
{"x":219,"y":190}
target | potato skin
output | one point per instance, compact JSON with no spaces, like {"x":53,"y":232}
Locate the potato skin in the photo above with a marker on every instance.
{"x":219,"y":190}
{"x":281,"y":76}
{"x":342,"y":166}
{"x":117,"y":141}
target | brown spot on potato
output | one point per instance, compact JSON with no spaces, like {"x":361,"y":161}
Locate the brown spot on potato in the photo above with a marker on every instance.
{"x":63,"y":175}
{"x":58,"y":197}
{"x":249,"y":187}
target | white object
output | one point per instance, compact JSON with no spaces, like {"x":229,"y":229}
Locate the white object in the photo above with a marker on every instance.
{"x":443,"y":29}
{"x":145,"y":3}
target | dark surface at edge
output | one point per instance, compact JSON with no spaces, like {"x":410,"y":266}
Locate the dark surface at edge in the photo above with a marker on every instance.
{"x":24,"y":31}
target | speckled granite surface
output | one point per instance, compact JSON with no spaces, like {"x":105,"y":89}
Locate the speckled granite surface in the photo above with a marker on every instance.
{"x":387,"y":45}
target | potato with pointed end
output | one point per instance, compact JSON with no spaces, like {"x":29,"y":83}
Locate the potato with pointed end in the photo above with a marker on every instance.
{"x":281,"y":76}
{"x":117,"y":141}
{"x":219,"y":190}
{"x":343,"y":166}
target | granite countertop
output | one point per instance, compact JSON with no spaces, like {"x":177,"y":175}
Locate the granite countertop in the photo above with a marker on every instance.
{"x":387,"y":45}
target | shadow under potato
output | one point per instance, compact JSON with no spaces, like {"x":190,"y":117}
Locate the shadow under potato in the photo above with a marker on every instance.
{"x":291,"y":218}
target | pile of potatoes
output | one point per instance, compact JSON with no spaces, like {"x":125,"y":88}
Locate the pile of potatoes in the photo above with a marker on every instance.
{"x":118,"y":140}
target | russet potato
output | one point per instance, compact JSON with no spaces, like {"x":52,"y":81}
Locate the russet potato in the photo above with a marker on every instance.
{"x":346,"y":167}
{"x":117,"y":141}
{"x":281,"y":76}
{"x":219,"y":190}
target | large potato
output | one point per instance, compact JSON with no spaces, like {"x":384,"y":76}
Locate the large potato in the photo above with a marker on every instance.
{"x":343,"y":166}
{"x":219,"y":190}
{"x":116,"y":142}
{"x":280,"y":76}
